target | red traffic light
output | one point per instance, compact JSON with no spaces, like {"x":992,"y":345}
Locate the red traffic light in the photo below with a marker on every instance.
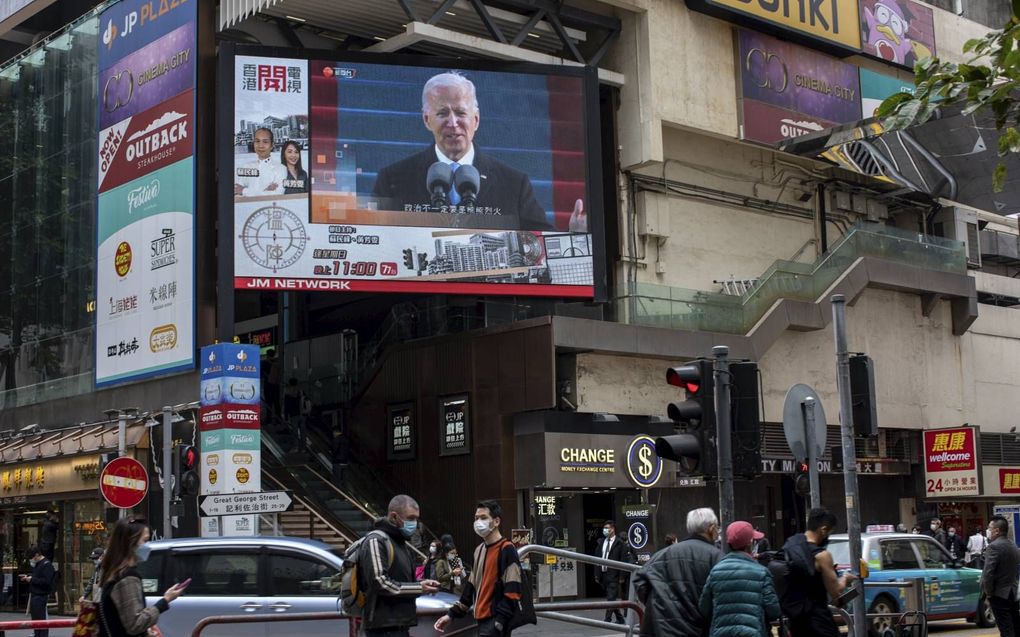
{"x":688,"y":377}
{"x":188,"y":457}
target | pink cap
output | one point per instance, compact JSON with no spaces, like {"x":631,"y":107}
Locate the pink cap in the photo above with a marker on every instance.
{"x":740,"y":534}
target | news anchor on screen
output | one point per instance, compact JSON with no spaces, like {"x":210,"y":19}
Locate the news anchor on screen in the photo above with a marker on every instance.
{"x":453,"y":174}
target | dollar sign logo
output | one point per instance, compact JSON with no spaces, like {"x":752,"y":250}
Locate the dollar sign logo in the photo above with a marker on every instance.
{"x":645,"y":457}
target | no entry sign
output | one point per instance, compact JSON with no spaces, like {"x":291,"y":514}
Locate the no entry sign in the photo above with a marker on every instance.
{"x":124,"y":483}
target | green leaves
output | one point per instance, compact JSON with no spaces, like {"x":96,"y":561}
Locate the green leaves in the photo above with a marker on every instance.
{"x":999,"y":176}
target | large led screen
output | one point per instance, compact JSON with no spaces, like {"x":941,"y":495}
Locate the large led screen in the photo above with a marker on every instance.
{"x":381,"y":176}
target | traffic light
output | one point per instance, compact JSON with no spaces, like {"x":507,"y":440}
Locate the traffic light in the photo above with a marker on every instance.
{"x":184,"y":472}
{"x":745,"y":422}
{"x":408,"y":258}
{"x":801,"y":480}
{"x":694,"y":446}
{"x":862,"y":395}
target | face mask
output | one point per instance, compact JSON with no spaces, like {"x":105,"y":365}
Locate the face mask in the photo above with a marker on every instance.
{"x":482,"y":527}
{"x":142,"y":552}
{"x":33,"y":562}
{"x":952,"y":533}
{"x":934,"y":527}
{"x":605,"y":532}
{"x":432,"y":550}
{"x":410,"y":526}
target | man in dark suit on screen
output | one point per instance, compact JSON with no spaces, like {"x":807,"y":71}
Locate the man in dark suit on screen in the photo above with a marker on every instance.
{"x":454,"y":176}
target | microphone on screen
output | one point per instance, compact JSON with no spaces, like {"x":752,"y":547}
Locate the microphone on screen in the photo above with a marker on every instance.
{"x":438,"y":182}
{"x":468,"y":182}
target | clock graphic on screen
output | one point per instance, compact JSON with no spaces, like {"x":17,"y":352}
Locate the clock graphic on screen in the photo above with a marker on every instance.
{"x":274,"y":237}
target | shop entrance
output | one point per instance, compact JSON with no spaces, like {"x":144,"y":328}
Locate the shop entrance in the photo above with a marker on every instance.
{"x":23,"y":528}
{"x":597,"y":507}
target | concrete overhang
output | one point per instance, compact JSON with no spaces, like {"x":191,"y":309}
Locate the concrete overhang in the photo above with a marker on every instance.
{"x":584,"y":335}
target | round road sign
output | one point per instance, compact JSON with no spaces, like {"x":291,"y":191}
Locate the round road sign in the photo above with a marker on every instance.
{"x":124,"y":483}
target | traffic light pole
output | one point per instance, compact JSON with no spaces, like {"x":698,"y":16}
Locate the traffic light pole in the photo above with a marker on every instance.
{"x":723,"y":436}
{"x":168,"y":470}
{"x":808,"y":406}
{"x":846,"y":426}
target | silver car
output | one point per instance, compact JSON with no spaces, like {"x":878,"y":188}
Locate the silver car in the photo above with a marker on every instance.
{"x":260,"y":576}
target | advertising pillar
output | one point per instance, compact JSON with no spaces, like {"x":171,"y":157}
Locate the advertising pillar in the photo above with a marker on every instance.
{"x":230,"y":428}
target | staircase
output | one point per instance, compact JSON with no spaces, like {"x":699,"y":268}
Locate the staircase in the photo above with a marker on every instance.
{"x":303,"y":522}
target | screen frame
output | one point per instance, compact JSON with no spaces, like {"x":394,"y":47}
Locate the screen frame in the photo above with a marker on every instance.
{"x":594,"y":203}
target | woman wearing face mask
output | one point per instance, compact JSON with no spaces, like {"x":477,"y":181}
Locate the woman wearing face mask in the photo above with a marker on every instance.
{"x":122,"y":610}
{"x":450,"y":568}
{"x":428,"y":571}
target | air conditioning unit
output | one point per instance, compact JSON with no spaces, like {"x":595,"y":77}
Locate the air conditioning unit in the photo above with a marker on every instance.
{"x":961,"y":225}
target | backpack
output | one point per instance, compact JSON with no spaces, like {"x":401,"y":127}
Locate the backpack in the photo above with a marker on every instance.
{"x":779,"y":569}
{"x":785,"y":569}
{"x":353,"y":597}
{"x":524,"y":609}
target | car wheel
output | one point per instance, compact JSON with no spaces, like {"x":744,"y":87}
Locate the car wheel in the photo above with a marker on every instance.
{"x":882,"y":626}
{"x":984,"y":618}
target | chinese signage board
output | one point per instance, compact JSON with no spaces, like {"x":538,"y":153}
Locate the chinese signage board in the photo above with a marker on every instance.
{"x":145,"y":311}
{"x":401,"y":432}
{"x":230,"y":439}
{"x":334,"y":181}
{"x":897,"y":31}
{"x":828,"y":24}
{"x":951,"y":463}
{"x":787,"y":89}
{"x":875,"y":87}
{"x":42,"y":477}
{"x":454,"y":426}
{"x":999,"y":481}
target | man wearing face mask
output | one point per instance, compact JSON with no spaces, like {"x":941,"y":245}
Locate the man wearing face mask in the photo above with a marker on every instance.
{"x":40,"y":585}
{"x":90,"y":587}
{"x":494,"y":586}
{"x":937,"y":531}
{"x":387,"y":570}
{"x":613,"y":548}
{"x":955,"y":545}
{"x":670,"y":584}
{"x":812,"y":578}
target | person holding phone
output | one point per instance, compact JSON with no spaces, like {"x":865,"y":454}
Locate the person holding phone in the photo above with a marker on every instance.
{"x":122,"y":609}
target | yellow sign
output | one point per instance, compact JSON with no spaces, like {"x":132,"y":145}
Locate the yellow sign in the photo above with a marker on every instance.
{"x":550,"y":559}
{"x":835,"y":22}
{"x":48,"y":476}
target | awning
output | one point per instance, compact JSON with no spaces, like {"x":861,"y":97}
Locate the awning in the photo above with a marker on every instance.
{"x":53,"y":443}
{"x":951,"y":156}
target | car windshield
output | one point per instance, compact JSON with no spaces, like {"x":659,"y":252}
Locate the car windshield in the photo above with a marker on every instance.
{"x":840,"y":550}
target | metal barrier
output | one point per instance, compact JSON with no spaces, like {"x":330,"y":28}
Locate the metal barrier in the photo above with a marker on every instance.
{"x":913,"y":618}
{"x":41,"y":624}
{"x":305,"y":617}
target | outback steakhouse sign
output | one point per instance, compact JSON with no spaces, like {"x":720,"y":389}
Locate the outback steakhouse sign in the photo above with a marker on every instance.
{"x":950,"y":462}
{"x":144,"y":142}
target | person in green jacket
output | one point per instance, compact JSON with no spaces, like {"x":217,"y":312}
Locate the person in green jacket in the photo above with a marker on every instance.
{"x":739,"y":599}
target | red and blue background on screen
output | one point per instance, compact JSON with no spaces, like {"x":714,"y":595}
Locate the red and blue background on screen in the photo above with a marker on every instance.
{"x":532,"y":122}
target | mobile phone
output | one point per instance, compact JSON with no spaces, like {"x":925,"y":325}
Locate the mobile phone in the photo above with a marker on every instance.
{"x":184,"y":584}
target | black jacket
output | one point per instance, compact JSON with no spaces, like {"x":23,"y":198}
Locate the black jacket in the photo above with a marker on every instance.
{"x":403,"y":183}
{"x":391,"y":587}
{"x":998,"y":577}
{"x":670,"y":586}
{"x":618,"y":551}
{"x":43,"y":576}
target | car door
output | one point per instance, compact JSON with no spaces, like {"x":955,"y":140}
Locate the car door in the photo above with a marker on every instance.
{"x":899,"y":562}
{"x":298,"y":582}
{"x":945,"y":590}
{"x":224,"y":581}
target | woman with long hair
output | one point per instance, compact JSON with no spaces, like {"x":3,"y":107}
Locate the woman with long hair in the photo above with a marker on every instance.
{"x":297,"y":179}
{"x":122,"y":610}
{"x":449,"y":568}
